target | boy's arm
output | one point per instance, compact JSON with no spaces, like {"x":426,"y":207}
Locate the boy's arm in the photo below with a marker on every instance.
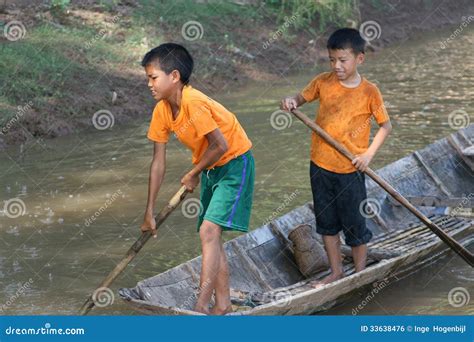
{"x":292,"y":102}
{"x":157,"y":173}
{"x":217,"y":146}
{"x":361,"y":161}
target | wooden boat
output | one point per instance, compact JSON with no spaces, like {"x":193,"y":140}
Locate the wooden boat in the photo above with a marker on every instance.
{"x":438,"y":179}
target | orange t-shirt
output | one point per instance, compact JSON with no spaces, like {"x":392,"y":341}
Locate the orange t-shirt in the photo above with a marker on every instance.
{"x":198,"y":116}
{"x":345,"y":114}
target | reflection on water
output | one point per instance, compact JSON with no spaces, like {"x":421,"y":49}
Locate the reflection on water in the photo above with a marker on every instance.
{"x":84,"y":195}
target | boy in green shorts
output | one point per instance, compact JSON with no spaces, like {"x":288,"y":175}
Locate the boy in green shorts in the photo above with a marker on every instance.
{"x":347,"y":102}
{"x":222,"y":161}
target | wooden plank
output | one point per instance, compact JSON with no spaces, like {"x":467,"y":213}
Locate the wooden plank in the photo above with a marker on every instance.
{"x":308,"y":301}
{"x":431,"y":173}
{"x":410,"y":231}
{"x":294,"y":289}
{"x":461,"y":134}
{"x":194,"y":275}
{"x":251,"y":267}
{"x":300,"y":215}
{"x":434,"y":201}
{"x":415,"y":241}
{"x":398,"y":237}
{"x":416,"y":234}
{"x":460,"y":212}
{"x":427,"y":235}
{"x":455,"y":143}
{"x":468,"y":151}
{"x":281,"y":236}
{"x":423,"y":240}
{"x":379,"y":220}
{"x":372,"y":253}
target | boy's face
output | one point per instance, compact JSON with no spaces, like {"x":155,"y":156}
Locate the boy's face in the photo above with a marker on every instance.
{"x":344,"y":62}
{"x":161,"y":85}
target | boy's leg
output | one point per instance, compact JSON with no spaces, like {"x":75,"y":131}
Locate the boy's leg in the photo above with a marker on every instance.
{"x":327,"y":220}
{"x":359,"y":254}
{"x":210,"y":234}
{"x":351,"y":207}
{"x":222,"y":292}
{"x":332,"y":243}
{"x":228,"y":206}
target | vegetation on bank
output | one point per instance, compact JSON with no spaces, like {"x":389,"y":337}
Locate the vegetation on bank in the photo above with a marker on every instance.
{"x":64,"y":60}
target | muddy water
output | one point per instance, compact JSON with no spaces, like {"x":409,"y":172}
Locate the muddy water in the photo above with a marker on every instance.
{"x":84,"y":194}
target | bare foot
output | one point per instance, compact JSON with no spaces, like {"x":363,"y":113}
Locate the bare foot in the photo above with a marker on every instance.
{"x":326,"y":280}
{"x":221,"y":311}
{"x":202,"y":309}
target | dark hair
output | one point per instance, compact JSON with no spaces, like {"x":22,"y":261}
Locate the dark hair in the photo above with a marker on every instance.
{"x":346,"y":38}
{"x":171,"y":57}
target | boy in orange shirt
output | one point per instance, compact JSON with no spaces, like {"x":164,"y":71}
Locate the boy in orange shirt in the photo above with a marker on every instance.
{"x":347,"y":101}
{"x":221,"y":157}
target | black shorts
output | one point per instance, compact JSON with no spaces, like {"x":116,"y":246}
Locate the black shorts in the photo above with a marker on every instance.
{"x":337,"y":198}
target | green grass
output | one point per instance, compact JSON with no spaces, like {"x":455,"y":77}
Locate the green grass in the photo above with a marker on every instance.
{"x":46,"y":65}
{"x":324,"y":12}
{"x":29,"y":72}
{"x":219,"y":19}
{"x":176,"y":13}
{"x":50,"y":64}
{"x":42,"y":66}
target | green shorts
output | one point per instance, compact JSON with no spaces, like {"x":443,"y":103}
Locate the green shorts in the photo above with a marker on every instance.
{"x":227,"y":192}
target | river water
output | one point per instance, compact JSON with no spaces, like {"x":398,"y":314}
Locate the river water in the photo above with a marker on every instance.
{"x":84,"y":194}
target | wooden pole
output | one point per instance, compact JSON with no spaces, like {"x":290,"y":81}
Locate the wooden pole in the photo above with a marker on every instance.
{"x":136,"y":247}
